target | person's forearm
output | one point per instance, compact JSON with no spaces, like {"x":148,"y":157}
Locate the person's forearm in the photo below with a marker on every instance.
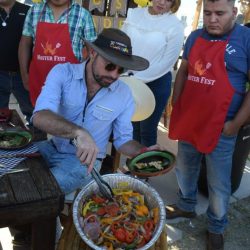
{"x":133,"y":148}
{"x":247,"y":121}
{"x":180,"y":80}
{"x":24,"y":57}
{"x":232,"y":127}
{"x":243,"y":115}
{"x":55,"y":125}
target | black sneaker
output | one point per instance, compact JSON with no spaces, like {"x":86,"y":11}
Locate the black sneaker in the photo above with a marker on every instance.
{"x":215,"y":241}
{"x":172,"y":212}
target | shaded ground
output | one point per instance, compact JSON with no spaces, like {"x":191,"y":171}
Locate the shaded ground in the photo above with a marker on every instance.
{"x":237,"y":235}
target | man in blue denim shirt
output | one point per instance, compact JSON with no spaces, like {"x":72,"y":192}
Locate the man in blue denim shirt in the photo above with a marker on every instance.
{"x":87,"y":102}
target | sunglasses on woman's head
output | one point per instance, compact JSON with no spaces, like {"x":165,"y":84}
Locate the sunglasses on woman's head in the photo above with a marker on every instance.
{"x":111,"y":67}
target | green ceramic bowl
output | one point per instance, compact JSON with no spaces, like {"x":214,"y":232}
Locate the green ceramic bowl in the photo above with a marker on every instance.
{"x":164,"y":159}
{"x":10,"y":140}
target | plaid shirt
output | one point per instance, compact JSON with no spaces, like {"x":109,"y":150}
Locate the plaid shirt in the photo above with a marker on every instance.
{"x":79,"y":20}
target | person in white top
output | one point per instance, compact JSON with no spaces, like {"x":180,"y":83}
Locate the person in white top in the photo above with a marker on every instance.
{"x":157,"y":35}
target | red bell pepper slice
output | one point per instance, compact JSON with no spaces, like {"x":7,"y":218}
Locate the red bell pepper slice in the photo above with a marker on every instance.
{"x":130,"y":236}
{"x":148,"y":225}
{"x":97,"y":199}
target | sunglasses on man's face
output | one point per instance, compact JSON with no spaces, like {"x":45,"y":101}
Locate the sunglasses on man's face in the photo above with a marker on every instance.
{"x":111,"y":67}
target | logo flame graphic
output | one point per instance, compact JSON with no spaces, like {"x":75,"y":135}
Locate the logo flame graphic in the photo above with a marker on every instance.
{"x":49,"y":50}
{"x":199,"y":69}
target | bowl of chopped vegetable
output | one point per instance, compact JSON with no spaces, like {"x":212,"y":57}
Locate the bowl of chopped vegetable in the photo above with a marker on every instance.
{"x":134,"y":219}
{"x":15,"y":139}
{"x":151,"y":163}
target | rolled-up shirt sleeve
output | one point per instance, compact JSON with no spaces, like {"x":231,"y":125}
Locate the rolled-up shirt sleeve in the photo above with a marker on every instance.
{"x":50,"y":96}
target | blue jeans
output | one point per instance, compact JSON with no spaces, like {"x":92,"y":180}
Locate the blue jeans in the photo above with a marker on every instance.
{"x":66,"y":168}
{"x":12,"y":83}
{"x":145,"y":132}
{"x":219,"y":165}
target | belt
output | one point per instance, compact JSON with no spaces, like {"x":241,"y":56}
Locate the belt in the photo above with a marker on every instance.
{"x":9,"y":72}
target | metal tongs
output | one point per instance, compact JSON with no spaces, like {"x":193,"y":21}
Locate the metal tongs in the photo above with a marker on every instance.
{"x":104,"y":187}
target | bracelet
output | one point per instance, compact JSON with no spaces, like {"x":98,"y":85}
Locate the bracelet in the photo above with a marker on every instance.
{"x":143,"y":150}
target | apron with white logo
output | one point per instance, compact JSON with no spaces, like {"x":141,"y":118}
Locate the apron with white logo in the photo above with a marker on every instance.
{"x":52,"y":46}
{"x":199,"y":114}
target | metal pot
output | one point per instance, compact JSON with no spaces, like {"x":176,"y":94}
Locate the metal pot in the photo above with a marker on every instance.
{"x":152,"y":200}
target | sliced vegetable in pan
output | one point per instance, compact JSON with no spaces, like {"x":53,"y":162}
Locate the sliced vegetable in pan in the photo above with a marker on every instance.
{"x":125,"y":223}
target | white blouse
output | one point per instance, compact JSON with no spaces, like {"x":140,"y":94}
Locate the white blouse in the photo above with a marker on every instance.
{"x":158,"y":38}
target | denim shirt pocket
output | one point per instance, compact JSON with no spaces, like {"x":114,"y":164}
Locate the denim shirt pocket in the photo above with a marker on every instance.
{"x":103,"y":114}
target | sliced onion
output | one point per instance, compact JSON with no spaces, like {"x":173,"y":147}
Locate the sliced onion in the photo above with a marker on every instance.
{"x":106,"y":229}
{"x":141,"y":228}
{"x":100,"y":240}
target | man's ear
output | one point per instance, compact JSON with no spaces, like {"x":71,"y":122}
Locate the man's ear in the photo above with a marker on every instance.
{"x":235,"y":11}
{"x":92,"y":53}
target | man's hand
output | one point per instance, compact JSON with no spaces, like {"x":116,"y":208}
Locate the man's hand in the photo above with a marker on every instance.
{"x":133,"y":148}
{"x":86,"y":149}
{"x":156,"y":147}
{"x":57,"y":125}
{"x":230,"y":129}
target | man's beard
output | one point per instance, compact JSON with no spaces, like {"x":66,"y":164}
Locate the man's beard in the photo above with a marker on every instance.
{"x":101,"y":82}
{"x":101,"y":79}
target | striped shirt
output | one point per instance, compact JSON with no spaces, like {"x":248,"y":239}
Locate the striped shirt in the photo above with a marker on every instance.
{"x":79,"y":20}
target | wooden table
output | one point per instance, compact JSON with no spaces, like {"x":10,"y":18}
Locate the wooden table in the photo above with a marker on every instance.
{"x":31,"y":197}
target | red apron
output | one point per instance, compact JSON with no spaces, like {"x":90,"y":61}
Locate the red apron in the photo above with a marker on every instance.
{"x":199,"y":114}
{"x":52,"y":46}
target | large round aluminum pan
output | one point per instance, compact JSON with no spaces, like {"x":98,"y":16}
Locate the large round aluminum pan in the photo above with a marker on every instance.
{"x":151,"y":196}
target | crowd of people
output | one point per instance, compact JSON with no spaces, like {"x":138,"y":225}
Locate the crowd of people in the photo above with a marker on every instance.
{"x":71,"y":97}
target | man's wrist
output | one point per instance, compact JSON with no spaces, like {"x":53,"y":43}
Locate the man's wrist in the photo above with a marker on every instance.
{"x":139,"y":151}
{"x":77,"y":131}
{"x":143,"y":150}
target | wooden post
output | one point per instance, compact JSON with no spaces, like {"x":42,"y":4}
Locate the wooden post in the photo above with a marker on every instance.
{"x":245,"y":9}
{"x":197,"y":14}
{"x":247,"y":15}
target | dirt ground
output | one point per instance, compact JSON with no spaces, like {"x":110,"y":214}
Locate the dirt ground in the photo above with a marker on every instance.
{"x":237,"y":235}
